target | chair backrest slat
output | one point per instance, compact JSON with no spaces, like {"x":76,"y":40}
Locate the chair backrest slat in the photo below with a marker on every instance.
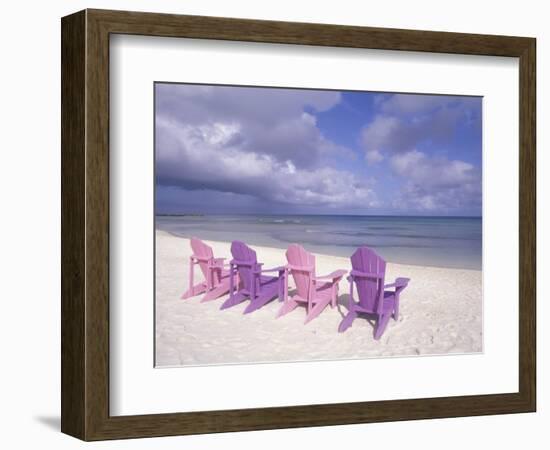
{"x":302,"y":268}
{"x":242,"y":252}
{"x":369,"y":290}
{"x":203,"y":253}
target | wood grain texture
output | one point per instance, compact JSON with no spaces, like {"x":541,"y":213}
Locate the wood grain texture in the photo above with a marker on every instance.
{"x":267,"y":31}
{"x":73,"y":226}
{"x":527,"y":224}
{"x":85,"y":224}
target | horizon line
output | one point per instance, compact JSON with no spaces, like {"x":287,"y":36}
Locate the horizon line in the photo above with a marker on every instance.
{"x":198,"y":214}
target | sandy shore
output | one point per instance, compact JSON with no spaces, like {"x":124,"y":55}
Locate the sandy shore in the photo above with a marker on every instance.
{"x":440,"y":312}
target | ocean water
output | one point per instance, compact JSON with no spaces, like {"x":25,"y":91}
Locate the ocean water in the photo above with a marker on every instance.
{"x":427,"y":241}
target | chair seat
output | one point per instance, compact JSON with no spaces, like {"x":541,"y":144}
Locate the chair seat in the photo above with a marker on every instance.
{"x":388,"y":306}
{"x":324,"y":290}
{"x":267,"y":279}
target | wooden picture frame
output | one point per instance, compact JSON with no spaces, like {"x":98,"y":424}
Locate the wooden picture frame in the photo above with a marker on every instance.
{"x":85,"y":224}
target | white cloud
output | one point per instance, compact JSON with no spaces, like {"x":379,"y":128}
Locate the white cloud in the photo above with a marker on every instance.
{"x":373,"y":156}
{"x":407,"y":121}
{"x":209,"y":157}
{"x":436,"y":183}
{"x":375,"y":136}
{"x":430,"y":171}
{"x":417,"y":104}
{"x":270,"y":121}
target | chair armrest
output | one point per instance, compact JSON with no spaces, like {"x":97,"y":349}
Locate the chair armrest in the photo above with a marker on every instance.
{"x":274,"y":269}
{"x":300,"y":268}
{"x":217,"y":262}
{"x":244,"y":263}
{"x":398,"y":283}
{"x":332,"y":276}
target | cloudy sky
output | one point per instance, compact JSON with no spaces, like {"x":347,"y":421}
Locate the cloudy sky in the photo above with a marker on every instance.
{"x":234,"y":150}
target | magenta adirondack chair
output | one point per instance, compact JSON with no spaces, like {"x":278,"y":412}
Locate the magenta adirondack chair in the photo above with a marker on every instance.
{"x":216,"y":277}
{"x":316,"y":292}
{"x":260,"y":289}
{"x":368,"y":274}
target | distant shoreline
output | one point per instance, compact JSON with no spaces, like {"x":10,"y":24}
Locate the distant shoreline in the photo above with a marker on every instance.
{"x":315,"y":215}
{"x":260,"y":247}
{"x":180,"y":215}
{"x":436,"y":242}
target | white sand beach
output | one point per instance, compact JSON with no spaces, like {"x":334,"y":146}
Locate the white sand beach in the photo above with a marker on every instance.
{"x":440,"y":313}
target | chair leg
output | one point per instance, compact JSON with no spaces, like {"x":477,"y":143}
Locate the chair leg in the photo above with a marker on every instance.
{"x":396,"y":308}
{"x":233,"y":300}
{"x":194,"y":290}
{"x":258,"y":302}
{"x":316,"y":310}
{"x":381,"y":324}
{"x":288,"y":306}
{"x":347,"y":321}
{"x":216,"y":292}
{"x":334,"y":295}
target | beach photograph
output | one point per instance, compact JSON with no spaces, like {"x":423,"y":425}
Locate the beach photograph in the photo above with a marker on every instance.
{"x":297,"y":224}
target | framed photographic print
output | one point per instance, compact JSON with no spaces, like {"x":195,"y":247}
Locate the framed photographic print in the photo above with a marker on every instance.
{"x":271,"y":224}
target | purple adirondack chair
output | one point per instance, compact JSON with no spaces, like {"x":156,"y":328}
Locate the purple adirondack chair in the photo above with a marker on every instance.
{"x":368,"y":274}
{"x":216,"y":277}
{"x":316,"y":292}
{"x":260,"y":289}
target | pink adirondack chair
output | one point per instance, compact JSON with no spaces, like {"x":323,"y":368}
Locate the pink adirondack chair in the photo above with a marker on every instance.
{"x":368,"y":274}
{"x":216,"y":277}
{"x":260,"y":289}
{"x":316,"y":292}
